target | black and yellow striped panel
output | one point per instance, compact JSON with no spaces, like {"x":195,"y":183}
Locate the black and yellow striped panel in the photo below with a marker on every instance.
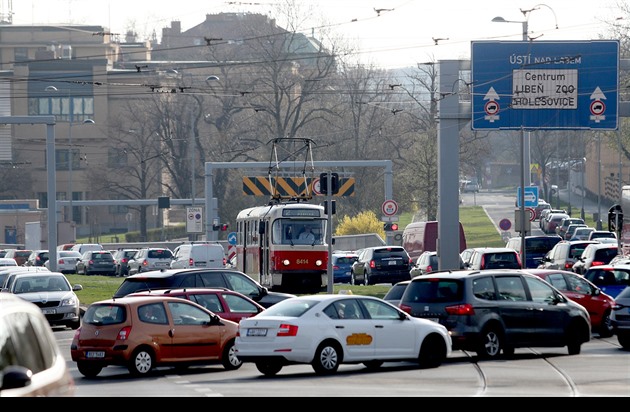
{"x":288,"y":187}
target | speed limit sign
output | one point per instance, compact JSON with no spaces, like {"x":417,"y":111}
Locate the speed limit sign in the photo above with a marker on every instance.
{"x":390,"y":208}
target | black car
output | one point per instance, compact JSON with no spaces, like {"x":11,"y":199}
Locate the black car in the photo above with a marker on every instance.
{"x":96,"y":262}
{"x":381,"y":264}
{"x":494,"y":310}
{"x":536,"y":247}
{"x":121,"y":260}
{"x":200,"y":278}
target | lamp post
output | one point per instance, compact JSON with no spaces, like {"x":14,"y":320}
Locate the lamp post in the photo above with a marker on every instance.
{"x":583,"y":191}
{"x":527,"y":137}
{"x":70,"y":152}
{"x":193,"y":139}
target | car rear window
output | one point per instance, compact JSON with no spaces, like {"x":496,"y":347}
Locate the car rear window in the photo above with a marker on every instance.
{"x":160,"y":254}
{"x":501,"y":260}
{"x":346,"y":260}
{"x":434,"y":291}
{"x":105,"y":314}
{"x":542,"y":244}
{"x":575,"y":251}
{"x":606,"y":255}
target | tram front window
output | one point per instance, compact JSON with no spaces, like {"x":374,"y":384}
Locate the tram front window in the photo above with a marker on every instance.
{"x":298,"y":232}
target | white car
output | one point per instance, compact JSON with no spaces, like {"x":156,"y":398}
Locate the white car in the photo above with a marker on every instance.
{"x":66,"y":261}
{"x":328,"y":330}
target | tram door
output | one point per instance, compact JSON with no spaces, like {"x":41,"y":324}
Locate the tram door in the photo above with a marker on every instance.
{"x":263,"y":255}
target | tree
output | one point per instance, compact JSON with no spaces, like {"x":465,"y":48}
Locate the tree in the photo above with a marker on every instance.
{"x":364,"y":222}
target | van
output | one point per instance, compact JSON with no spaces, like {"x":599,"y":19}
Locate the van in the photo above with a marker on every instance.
{"x":536,"y":247}
{"x":422,"y":236}
{"x":198,"y":255}
{"x":84,"y":247}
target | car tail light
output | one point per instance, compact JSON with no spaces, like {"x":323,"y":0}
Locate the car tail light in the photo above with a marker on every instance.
{"x":429,"y":268}
{"x":518,"y":259}
{"x":191,"y":262}
{"x":596,"y":263}
{"x":124,"y":333}
{"x":224,"y":261}
{"x":461,"y":310}
{"x":287,"y":330}
{"x":145,"y":263}
{"x":372,"y":264}
{"x":61,"y":261}
{"x":405,"y":308}
{"x":335,"y":267}
{"x":568,"y":265}
{"x":124,"y":260}
{"x":90,"y":262}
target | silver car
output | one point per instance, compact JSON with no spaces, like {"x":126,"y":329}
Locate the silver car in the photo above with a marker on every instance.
{"x":54,"y":295}
{"x":66,"y":261}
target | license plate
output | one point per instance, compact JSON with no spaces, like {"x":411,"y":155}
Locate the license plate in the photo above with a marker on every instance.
{"x":92,"y":355}
{"x":49,"y":311}
{"x":257,"y":332}
{"x":392,"y":263}
{"x":166,"y":264}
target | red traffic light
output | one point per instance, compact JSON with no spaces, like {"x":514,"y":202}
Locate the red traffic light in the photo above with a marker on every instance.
{"x":224,"y":227}
{"x":394,"y":226}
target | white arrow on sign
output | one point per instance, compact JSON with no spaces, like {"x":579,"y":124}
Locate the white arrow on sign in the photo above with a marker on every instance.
{"x":530,"y":197}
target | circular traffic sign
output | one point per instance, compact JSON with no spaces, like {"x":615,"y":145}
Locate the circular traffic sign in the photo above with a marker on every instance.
{"x":491,"y":107}
{"x":597,"y":107}
{"x":532,"y":213}
{"x":316,"y":187}
{"x":505,"y":224}
{"x":390,"y":208}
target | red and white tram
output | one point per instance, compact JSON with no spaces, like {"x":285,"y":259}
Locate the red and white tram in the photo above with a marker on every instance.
{"x":272,"y":246}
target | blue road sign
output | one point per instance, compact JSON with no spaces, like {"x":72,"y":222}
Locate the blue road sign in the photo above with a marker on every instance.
{"x":531,"y":196}
{"x":545,"y":85}
{"x":232,"y":238}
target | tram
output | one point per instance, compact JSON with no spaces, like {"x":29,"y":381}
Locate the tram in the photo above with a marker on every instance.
{"x":284,"y":245}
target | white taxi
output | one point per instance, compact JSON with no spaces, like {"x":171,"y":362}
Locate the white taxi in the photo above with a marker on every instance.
{"x":328,"y":330}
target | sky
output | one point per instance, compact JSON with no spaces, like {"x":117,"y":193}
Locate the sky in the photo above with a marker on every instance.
{"x":388,"y":33}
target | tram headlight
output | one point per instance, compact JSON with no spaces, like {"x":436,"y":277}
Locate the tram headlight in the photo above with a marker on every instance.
{"x":286,"y":262}
{"x":318,"y":263}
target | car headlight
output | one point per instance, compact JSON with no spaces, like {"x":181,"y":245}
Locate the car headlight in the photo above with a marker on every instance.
{"x":73,"y":301}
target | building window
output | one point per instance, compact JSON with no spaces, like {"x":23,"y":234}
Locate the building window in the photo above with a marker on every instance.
{"x":61,"y":158}
{"x":117,"y":158}
{"x":20,"y":54}
{"x":65,"y":109}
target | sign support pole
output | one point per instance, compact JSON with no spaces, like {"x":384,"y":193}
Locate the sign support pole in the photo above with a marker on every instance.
{"x":523,"y":227}
{"x":329,"y":270}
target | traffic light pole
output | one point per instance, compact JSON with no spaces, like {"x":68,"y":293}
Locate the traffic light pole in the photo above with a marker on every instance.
{"x":329,"y":270}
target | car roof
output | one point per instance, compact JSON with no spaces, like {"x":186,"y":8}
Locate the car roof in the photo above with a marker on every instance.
{"x":165,"y":273}
{"x":139,"y":300}
{"x":166,"y":291}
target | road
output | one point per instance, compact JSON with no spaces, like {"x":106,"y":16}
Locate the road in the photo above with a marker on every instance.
{"x":601,"y":369}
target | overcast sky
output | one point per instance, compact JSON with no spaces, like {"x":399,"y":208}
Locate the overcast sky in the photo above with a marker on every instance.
{"x":400,"y":35}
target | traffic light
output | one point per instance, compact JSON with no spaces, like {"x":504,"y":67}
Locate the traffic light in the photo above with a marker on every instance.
{"x":390,"y":227}
{"x":224,"y":227}
{"x":334,"y":183}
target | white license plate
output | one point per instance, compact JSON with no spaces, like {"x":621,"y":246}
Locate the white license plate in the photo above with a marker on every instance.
{"x":165,"y":264}
{"x":392,"y":262}
{"x":92,"y":355}
{"x":257,"y":332}
{"x":49,"y":311}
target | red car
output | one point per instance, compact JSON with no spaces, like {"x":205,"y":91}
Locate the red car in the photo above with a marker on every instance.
{"x":578,"y":289}
{"x":225,"y":303}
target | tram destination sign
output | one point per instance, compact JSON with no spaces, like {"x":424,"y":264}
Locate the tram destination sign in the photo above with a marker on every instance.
{"x":545,"y":85}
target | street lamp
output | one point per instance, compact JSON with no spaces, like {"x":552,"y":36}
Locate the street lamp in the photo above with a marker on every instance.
{"x":70,"y":152}
{"x":527,"y":137}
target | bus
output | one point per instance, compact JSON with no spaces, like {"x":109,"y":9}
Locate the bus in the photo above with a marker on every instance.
{"x":284,"y":245}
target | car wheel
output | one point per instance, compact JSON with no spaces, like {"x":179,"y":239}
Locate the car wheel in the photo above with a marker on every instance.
{"x":327,"y":358}
{"x":141,"y":362}
{"x":432,"y":352}
{"x":490,"y":344}
{"x":269,"y":368}
{"x":574,"y":344}
{"x":229,"y":360}
{"x":624,"y":340}
{"x":75,"y":325}
{"x":89,"y":369}
{"x":606,"y":328}
{"x":374,"y":364}
{"x":353,"y":280}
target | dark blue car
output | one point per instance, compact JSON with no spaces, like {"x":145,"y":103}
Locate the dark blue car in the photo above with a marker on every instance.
{"x":536,"y":247}
{"x":342,"y":266}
